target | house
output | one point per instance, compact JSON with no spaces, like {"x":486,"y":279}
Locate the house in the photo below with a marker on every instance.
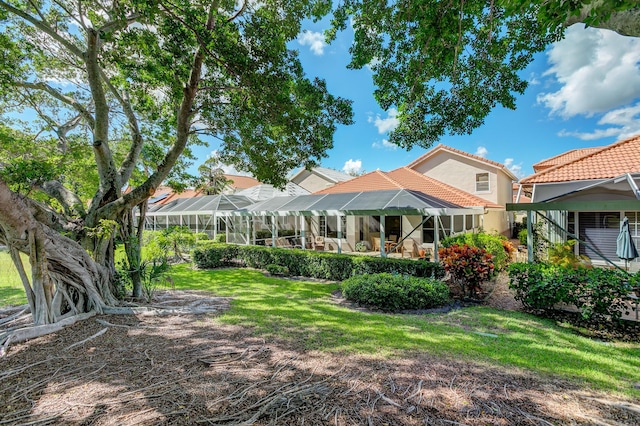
{"x":443,"y":192}
{"x":585,"y":194}
{"x":483,"y":178}
{"x":318,"y":178}
{"x":417,"y":227}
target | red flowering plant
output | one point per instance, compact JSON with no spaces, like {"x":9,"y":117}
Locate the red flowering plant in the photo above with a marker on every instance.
{"x":469,"y":266}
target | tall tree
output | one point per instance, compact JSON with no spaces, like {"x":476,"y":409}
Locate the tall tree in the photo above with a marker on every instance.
{"x":446,"y":64}
{"x":138,"y":76}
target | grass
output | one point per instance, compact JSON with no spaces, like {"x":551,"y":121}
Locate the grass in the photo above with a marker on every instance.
{"x":11,"y":289}
{"x":303,"y":313}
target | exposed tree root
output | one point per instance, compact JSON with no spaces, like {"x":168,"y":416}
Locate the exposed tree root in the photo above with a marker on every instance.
{"x":170,"y":303}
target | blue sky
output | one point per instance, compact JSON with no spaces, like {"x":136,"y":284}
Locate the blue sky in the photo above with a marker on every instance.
{"x":584,"y":91}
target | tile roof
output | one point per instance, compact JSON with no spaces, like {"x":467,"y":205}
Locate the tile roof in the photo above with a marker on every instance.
{"x":441,"y":147}
{"x":605,"y":163}
{"x":242,"y":182}
{"x":187,"y":193}
{"x":564,"y":158}
{"x":406,"y":178}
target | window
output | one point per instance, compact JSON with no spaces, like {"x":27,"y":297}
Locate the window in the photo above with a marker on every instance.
{"x":329,"y":226}
{"x":482,"y":182}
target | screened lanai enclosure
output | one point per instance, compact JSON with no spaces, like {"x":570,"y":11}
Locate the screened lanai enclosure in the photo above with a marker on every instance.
{"x":200,"y":214}
{"x":590,"y":214}
{"x":398,"y":221}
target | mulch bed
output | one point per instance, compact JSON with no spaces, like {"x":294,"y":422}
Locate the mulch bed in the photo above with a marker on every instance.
{"x":188,"y":369}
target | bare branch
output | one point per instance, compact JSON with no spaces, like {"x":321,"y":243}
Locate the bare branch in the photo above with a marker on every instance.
{"x":63,"y":98}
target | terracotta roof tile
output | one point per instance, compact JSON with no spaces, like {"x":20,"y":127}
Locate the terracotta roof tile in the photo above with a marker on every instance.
{"x":605,"y":163}
{"x":441,"y":147}
{"x":372,"y":181}
{"x":564,"y":158}
{"x":406,"y":178}
{"x":242,"y":182}
{"x":187,"y":193}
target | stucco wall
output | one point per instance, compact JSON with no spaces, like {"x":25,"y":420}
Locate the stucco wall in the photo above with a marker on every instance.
{"x":460,"y":172}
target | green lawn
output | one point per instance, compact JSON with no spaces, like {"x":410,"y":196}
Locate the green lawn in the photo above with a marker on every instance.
{"x":11,"y":290}
{"x":302,"y":311}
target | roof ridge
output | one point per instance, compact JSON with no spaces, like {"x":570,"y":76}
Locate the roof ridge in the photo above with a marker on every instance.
{"x":447,"y":186}
{"x":390,"y":179}
{"x":441,"y":146}
{"x":341,"y":183}
{"x":581,"y":158}
{"x":592,"y":149}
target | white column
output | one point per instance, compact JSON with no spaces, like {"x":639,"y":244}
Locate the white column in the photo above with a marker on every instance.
{"x":339,"y":218}
{"x":383,"y":252}
{"x":303,"y":226}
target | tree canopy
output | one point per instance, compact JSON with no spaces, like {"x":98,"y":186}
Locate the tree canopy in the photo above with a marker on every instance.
{"x":445,"y":65}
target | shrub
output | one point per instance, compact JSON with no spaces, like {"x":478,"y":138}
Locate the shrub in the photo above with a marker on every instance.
{"x":469,"y":266}
{"x":374,"y":265}
{"x":395,"y":292}
{"x":600,"y":294}
{"x":499,"y":246}
{"x":307,"y":263}
{"x":277,"y":269}
{"x":563,"y":254}
{"x":176,"y":239}
{"x":522,"y":236}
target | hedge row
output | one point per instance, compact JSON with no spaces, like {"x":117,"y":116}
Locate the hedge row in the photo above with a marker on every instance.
{"x":395,"y":292}
{"x":307,"y":263}
{"x":600,"y":294}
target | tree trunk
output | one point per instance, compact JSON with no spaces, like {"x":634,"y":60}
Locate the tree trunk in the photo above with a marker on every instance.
{"x":132,"y":247}
{"x":65,"y":280}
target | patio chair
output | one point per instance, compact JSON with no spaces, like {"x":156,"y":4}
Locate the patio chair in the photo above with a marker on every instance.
{"x":319,"y":243}
{"x":410,"y":247}
{"x":376,"y":244}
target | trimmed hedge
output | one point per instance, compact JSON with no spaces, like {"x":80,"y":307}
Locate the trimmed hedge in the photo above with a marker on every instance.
{"x":308,"y":263}
{"x":395,"y":292}
{"x":598,"y":293}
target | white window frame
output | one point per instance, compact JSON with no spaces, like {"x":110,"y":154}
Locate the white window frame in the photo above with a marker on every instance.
{"x":479,"y":182}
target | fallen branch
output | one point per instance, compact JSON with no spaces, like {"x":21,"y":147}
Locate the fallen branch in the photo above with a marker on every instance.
{"x":28,"y":333}
{"x":99,"y":333}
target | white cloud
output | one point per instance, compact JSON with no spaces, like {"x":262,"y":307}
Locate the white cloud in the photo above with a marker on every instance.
{"x":314,"y":40}
{"x":388,"y":124}
{"x":482,"y":151}
{"x":597,"y":69}
{"x":622,"y":122}
{"x":516,"y":169}
{"x":352,"y":166}
{"x":385,"y":144}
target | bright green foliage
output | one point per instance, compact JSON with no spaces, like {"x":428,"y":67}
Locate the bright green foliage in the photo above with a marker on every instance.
{"x":469,"y":266}
{"x":175,"y":239}
{"x":499,"y":246}
{"x":523,"y":234}
{"x":444,"y":65}
{"x":307,"y":263}
{"x":30,"y":163}
{"x":563,"y":254}
{"x":395,"y":292}
{"x":600,"y":294}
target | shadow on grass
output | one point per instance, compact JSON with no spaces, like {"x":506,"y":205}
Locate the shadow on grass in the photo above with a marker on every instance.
{"x":302,"y":312}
